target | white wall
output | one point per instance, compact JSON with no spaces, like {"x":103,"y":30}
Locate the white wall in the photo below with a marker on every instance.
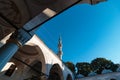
{"x":108,"y":76}
{"x":50,"y":57}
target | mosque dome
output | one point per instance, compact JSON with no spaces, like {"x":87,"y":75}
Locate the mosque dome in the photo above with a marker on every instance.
{"x":106,"y":71}
{"x":92,"y":74}
{"x":80,"y":76}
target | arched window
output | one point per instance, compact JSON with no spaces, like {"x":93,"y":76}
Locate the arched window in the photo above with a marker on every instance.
{"x":54,"y":76}
{"x":69,"y":77}
{"x":11,"y":70}
{"x":55,"y":73}
{"x":38,"y":66}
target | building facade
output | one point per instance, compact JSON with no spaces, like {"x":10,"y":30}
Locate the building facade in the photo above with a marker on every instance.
{"x":34,"y":60}
{"x":37,"y":60}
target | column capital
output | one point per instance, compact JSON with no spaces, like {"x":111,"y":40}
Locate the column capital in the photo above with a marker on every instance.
{"x":19,"y":37}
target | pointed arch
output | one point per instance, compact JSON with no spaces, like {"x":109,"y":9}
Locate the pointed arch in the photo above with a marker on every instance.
{"x":33,"y":55}
{"x":69,"y":77}
{"x":56,"y":73}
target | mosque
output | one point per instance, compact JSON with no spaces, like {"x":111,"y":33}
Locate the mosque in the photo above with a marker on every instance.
{"x":23,"y":55}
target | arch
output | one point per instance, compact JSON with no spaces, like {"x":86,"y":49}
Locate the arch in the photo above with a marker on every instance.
{"x":37,"y":68}
{"x":55,"y":73}
{"x":69,"y":77}
{"x":34,"y":53}
{"x":30,"y":50}
{"x":33,"y":56}
{"x":38,"y":65}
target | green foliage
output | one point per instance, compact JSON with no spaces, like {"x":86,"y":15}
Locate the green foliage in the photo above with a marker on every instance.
{"x":114,"y":67}
{"x":99,"y":64}
{"x":83,"y":68}
{"x":71,"y":66}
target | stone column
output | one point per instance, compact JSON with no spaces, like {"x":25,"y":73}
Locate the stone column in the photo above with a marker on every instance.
{"x":17,"y":39}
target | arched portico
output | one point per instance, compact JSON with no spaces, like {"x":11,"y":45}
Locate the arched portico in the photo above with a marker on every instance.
{"x":55,"y":73}
{"x":33,"y":56}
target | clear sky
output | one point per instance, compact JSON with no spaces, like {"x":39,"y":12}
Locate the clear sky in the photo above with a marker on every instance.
{"x":87,"y":32}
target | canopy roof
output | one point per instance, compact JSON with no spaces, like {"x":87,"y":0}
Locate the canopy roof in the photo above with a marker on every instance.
{"x":19,"y":12}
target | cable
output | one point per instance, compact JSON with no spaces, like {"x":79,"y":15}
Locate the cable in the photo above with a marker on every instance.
{"x":41,"y":73}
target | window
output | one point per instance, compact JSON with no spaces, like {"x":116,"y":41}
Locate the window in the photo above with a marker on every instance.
{"x":10,"y":71}
{"x":38,"y":66}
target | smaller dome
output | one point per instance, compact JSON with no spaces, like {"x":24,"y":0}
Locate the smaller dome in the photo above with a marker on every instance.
{"x":106,"y":71}
{"x":92,"y":74}
{"x":79,"y":76}
{"x":118,"y":69}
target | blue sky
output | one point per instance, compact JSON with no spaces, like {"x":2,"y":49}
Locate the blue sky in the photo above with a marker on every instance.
{"x":87,"y":32}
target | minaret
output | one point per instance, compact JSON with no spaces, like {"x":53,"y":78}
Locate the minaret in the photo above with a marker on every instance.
{"x":60,"y":53}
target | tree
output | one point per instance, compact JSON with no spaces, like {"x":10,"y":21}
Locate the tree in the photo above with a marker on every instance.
{"x":71,"y":66}
{"x":114,"y":67}
{"x":83,"y":68}
{"x":99,"y":64}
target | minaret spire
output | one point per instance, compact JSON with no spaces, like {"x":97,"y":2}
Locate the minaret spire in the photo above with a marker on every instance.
{"x":60,"y":53}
